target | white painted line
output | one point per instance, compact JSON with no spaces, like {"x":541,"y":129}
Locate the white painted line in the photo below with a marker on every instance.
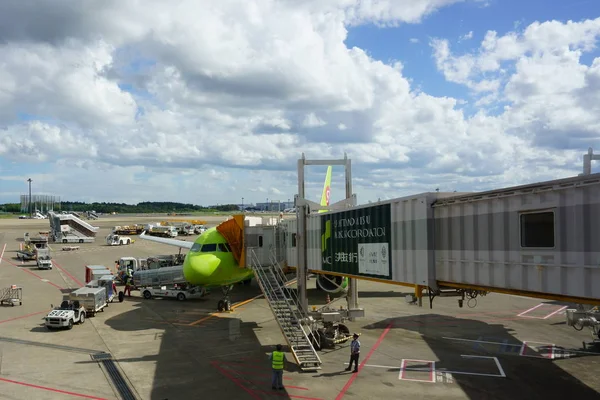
{"x":521,"y":353}
{"x":531,"y":309}
{"x":431,"y":370}
{"x":2,"y":254}
{"x":437,"y":371}
{"x":517,"y":345}
{"x":555,"y":312}
{"x":489,"y":358}
{"x":499,"y":367}
{"x":483,"y":341}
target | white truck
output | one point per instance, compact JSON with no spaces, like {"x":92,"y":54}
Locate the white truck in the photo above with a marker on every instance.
{"x":164,"y":231}
{"x":117,"y":240}
{"x":43,"y":258}
{"x":69,"y":313}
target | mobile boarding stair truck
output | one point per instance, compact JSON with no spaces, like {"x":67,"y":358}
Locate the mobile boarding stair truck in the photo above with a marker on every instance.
{"x":92,"y":299}
{"x":166,"y":282}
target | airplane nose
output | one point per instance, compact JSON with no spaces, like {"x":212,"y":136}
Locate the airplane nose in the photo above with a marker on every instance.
{"x":200,"y":268}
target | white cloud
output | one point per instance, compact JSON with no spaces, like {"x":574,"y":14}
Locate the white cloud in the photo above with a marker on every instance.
{"x":414,"y":40}
{"x":208,"y":103}
{"x":466,"y":36}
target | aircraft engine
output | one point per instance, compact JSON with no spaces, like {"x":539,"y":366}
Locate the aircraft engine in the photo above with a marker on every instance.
{"x":332,"y":283}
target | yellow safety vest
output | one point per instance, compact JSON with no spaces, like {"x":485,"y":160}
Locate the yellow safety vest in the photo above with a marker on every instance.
{"x":278,"y":360}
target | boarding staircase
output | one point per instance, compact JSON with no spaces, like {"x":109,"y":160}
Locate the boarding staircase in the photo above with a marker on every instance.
{"x":286,"y":308}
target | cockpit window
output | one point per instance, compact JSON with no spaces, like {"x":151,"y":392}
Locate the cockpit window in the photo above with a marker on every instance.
{"x":209,"y":247}
{"x":196,"y":247}
{"x":224,"y":248}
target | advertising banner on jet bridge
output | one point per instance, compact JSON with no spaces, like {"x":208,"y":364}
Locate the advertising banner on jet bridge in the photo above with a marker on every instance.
{"x":357,"y":242}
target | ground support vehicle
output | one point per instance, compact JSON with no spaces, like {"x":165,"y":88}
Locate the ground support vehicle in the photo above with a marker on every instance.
{"x":117,"y":240}
{"x":70,"y":248}
{"x":26,"y":255}
{"x":92,"y":299}
{"x":180,"y":292}
{"x":43,"y":258}
{"x":583,"y":316}
{"x":11,"y":295}
{"x":65,"y":316}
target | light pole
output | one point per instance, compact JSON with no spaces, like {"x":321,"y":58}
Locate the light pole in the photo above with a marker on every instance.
{"x":242,"y":204}
{"x":30,"y":210}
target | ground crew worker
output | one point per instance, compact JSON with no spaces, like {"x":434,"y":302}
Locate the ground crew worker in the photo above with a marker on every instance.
{"x":277,"y":362}
{"x":354,"y":353}
{"x":128,"y":279}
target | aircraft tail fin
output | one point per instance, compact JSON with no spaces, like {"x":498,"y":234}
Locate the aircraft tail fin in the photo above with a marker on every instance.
{"x":326,"y":189}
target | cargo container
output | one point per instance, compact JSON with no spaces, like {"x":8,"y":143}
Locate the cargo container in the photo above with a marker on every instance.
{"x":95,"y":271}
{"x":92,"y":299}
{"x":531,"y":239}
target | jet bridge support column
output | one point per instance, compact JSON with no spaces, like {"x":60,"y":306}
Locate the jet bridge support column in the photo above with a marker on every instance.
{"x":304,"y":207}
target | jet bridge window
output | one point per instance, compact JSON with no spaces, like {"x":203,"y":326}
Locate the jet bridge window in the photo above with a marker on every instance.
{"x":537,"y":229}
{"x":209,"y":247}
{"x":260,"y":241}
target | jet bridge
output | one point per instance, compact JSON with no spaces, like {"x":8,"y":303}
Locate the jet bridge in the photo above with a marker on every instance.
{"x":534,"y":240}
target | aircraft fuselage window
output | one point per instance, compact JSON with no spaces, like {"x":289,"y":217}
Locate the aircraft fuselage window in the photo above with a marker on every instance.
{"x":196,"y":247}
{"x":223,"y":247}
{"x":209,"y":247}
{"x":260,"y":241}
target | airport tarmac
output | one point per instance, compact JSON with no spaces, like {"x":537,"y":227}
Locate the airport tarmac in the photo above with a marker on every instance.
{"x":507,"y":347}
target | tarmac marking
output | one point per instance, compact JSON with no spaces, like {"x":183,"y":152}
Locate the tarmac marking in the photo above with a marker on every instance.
{"x":523,"y":314}
{"x":233,"y":307}
{"x":31,"y":273}
{"x":235,"y":380}
{"x":549,"y":356}
{"x":559,"y":352}
{"x":430,"y":369}
{"x":2,"y":254}
{"x":22,"y":316}
{"x":439,"y":373}
{"x":77,"y":281}
{"x":52,"y":389}
{"x":360,"y":367}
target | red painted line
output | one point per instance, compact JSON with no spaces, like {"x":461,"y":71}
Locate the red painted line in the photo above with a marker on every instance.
{"x":22,"y":316}
{"x":255,"y":373}
{"x":287,"y":395}
{"x":236,"y":381}
{"x":52,"y":389}
{"x":31,"y":273}
{"x":360,"y":367}
{"x":77,"y":281}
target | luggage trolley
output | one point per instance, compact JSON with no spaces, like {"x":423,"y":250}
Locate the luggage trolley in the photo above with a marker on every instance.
{"x":12,"y":295}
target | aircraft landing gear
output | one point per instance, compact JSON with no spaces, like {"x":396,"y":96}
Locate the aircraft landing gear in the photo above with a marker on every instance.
{"x":225,"y":304}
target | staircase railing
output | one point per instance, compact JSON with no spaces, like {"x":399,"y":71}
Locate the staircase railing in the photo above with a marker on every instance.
{"x":291,"y":304}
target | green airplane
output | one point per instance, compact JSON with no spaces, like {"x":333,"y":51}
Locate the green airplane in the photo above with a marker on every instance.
{"x":210,"y":261}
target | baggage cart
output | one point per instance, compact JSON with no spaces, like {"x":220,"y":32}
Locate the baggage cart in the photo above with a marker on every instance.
{"x":11,"y":295}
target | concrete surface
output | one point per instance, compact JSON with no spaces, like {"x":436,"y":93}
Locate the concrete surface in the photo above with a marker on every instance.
{"x":507,"y":347}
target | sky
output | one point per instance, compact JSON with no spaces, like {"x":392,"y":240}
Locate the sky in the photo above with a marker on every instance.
{"x":208,"y":102}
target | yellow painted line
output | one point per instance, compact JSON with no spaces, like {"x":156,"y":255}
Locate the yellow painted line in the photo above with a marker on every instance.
{"x":233,"y":307}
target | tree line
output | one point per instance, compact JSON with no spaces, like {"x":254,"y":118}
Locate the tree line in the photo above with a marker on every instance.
{"x":146,"y":207}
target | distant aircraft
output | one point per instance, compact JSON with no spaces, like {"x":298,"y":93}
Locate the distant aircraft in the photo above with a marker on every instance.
{"x":210,"y":262}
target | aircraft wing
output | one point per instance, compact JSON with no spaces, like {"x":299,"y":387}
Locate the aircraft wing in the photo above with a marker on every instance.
{"x":172,"y":242}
